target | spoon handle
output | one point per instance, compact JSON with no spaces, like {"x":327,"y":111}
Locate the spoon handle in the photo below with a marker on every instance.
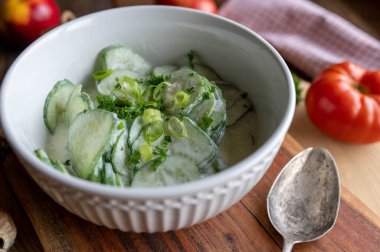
{"x":288,"y":245}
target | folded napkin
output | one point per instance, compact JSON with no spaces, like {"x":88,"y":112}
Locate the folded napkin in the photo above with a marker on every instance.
{"x":305,"y":34}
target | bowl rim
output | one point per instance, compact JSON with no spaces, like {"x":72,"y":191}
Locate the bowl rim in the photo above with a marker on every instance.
{"x":207,"y":183}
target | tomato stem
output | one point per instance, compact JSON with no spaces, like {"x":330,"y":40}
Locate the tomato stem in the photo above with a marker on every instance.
{"x":362,"y":89}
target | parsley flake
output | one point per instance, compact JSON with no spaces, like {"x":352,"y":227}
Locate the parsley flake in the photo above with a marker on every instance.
{"x":205,"y":122}
{"x":155,"y":80}
{"x":190,"y":58}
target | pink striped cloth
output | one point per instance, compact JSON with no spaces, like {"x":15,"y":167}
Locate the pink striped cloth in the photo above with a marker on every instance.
{"x":306,"y":35}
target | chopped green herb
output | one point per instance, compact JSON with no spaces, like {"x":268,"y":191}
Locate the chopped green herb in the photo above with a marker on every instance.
{"x":117,"y":86}
{"x":140,"y":80}
{"x":212,"y":89}
{"x":167,"y":140}
{"x":135,"y":157}
{"x":161,"y":152}
{"x":157,"y":79}
{"x":190,"y":58}
{"x":120,"y":126}
{"x":122,"y":110}
{"x":206,"y":95}
{"x":181,"y":114}
{"x":190,"y":90}
{"x":205,"y":122}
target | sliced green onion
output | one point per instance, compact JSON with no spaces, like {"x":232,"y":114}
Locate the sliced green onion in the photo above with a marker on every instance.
{"x":117,"y":86}
{"x":151,"y":115}
{"x":176,"y":128}
{"x":205,"y":122}
{"x":99,"y":75}
{"x":153,"y":132}
{"x":127,"y":89}
{"x":148,"y":92}
{"x":151,"y":104}
{"x":129,"y":80}
{"x":146,"y":152}
{"x":157,"y":93}
{"x":181,"y":98}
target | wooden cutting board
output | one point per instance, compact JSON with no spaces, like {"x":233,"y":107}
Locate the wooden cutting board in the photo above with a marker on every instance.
{"x":244,"y":227}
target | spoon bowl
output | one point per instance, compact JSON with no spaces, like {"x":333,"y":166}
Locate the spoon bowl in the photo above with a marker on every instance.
{"x":303,"y":202}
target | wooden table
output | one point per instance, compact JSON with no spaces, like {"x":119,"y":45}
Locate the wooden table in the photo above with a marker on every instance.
{"x":358,"y":165}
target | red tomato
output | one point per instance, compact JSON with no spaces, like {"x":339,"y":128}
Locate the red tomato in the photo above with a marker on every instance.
{"x":23,"y":21}
{"x":344,"y":102}
{"x":205,"y":5}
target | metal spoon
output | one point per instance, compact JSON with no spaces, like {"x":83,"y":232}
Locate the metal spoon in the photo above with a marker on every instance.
{"x":303,"y":202}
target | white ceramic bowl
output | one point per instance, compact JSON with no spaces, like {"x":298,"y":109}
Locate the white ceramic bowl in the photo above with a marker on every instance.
{"x":161,"y":35}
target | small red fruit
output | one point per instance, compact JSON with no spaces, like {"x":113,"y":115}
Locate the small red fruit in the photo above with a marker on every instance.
{"x":23,"y":21}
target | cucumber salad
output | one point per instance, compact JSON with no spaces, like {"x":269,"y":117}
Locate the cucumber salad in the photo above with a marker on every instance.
{"x":147,"y":126}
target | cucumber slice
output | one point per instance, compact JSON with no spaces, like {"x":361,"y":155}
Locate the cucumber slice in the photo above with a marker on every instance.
{"x":238,"y":104}
{"x":217,"y":134}
{"x":188,"y":81}
{"x":164,"y":70}
{"x":110,"y":177}
{"x":77,"y":103}
{"x":219,"y":118}
{"x":107,"y":85}
{"x":140,"y":140}
{"x":220,"y":106}
{"x":174,"y":170}
{"x":90,"y":135}
{"x":55,"y":103}
{"x":205,"y":107}
{"x":120,"y":180}
{"x":60,"y":167}
{"x":198,"y":146}
{"x":97,"y":174}
{"x":122,"y":57}
{"x":119,"y":157}
{"x":44,"y":157}
{"x":135,"y":129}
{"x":205,"y":71}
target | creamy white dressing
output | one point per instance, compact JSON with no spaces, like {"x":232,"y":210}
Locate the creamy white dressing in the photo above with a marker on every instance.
{"x":56,"y":143}
{"x":238,"y":142}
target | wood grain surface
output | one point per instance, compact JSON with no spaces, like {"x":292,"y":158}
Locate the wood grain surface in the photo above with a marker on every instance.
{"x":244,"y":227}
